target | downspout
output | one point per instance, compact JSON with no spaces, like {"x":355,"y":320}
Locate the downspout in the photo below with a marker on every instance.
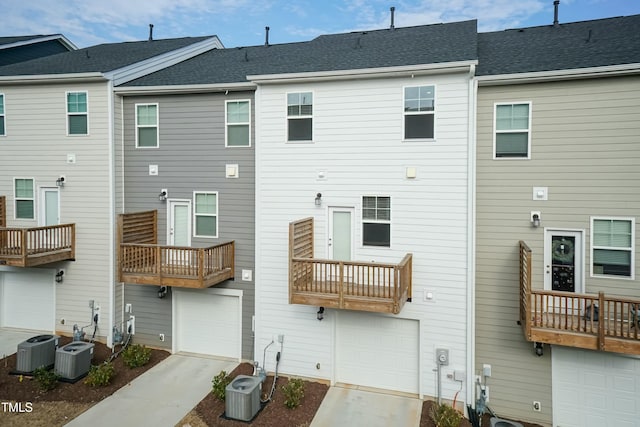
{"x":112,"y":196}
{"x":122,"y":207}
{"x":257,"y":280}
{"x":471,"y":237}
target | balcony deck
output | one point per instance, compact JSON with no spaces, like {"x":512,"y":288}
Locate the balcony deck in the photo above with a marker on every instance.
{"x":572,"y":320}
{"x":362,"y":286}
{"x":30,"y":247}
{"x":142,"y":261}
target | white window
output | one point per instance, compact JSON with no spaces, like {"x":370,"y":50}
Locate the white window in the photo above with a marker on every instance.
{"x":512,"y":130}
{"x":300,"y":116}
{"x":147,"y":125}
{"x":23,"y":192}
{"x":206,"y":214}
{"x":419,"y":112}
{"x":612,"y":247}
{"x":238,"y":123}
{"x":2,"y":124}
{"x":77,"y":113}
{"x":376,"y":221}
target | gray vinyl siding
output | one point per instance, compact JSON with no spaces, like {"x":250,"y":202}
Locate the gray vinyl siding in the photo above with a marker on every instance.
{"x":585,"y":148}
{"x":191,"y":157}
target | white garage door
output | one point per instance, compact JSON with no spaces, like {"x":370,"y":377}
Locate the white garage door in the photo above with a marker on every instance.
{"x":595,"y":389}
{"x":208,"y":322}
{"x":377,"y":351}
{"x":27,"y":300}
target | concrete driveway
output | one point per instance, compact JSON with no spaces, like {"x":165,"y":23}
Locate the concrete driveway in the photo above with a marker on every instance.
{"x":10,"y":338}
{"x":353,"y":407}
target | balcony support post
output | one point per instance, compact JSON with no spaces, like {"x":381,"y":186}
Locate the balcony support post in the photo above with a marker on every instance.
{"x":601,"y":336}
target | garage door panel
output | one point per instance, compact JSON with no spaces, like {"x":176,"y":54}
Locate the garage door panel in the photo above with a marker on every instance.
{"x":27,"y":300}
{"x":208,"y":323}
{"x":377,"y":351}
{"x":595,"y":388}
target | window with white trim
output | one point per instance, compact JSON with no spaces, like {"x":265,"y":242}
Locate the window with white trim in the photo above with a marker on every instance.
{"x":238,"y":123}
{"x":205,"y":214}
{"x":612,"y":247}
{"x":147,"y":125}
{"x":512,"y":126}
{"x":300,"y":116}
{"x":24,"y":196}
{"x":77,"y":113}
{"x":376,"y":221}
{"x":419,"y":112}
{"x":3,"y":131}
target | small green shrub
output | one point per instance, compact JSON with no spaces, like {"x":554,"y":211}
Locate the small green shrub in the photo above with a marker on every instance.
{"x":46,"y":379}
{"x":220,"y":383}
{"x":100,"y":375}
{"x":136,"y":355}
{"x":445,"y":415}
{"x":293,"y":393}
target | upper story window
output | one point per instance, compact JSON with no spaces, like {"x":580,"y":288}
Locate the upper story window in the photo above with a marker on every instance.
{"x":206,"y":214}
{"x":77,"y":113}
{"x":512,"y":130}
{"x":300,"y":116}
{"x":2,"y":125}
{"x":376,"y":221}
{"x":24,"y":197}
{"x":419,"y":112}
{"x":612,"y":247}
{"x":238,"y":116}
{"x":146,"y":125}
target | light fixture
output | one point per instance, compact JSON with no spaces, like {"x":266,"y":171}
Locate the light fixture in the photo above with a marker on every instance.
{"x":535,"y":219}
{"x":318,"y":200}
{"x":320,"y":314}
{"x":163,"y":195}
{"x":60,"y":181}
{"x":59,"y":275}
{"x":539,"y":349}
{"x":162,"y":291}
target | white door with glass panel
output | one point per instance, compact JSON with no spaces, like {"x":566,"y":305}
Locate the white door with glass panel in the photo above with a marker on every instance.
{"x":48,"y":214}
{"x":340,"y":233}
{"x":178,"y":228}
{"x":564,"y":266}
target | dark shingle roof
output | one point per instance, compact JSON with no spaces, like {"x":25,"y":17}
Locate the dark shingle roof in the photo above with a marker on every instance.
{"x":602,"y":42}
{"x":426,"y":44}
{"x":16,"y":49}
{"x":100,"y":58}
{"x":17,"y":39}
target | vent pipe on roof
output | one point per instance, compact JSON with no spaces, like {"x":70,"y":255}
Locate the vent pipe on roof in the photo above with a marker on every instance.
{"x":393,"y":10}
{"x":266,"y":36}
{"x":555,"y":13}
{"x":150,"y":32}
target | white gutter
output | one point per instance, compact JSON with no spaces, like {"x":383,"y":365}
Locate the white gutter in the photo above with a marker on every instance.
{"x":400,"y":71}
{"x":54,"y":78}
{"x":542,"y":76}
{"x":176,"y":89}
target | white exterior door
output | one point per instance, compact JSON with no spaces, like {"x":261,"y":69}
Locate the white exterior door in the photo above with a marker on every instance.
{"x":377,"y":351}
{"x":179,"y":223}
{"x":340,"y":239}
{"x":594,"y":389}
{"x":27,"y":300}
{"x":49,"y":212}
{"x":208,"y":322}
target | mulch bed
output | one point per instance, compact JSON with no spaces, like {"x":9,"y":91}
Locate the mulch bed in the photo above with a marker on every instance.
{"x":426,"y":421}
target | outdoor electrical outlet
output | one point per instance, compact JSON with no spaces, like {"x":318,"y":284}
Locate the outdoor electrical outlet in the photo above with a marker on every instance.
{"x":161,"y":336}
{"x":536,"y":406}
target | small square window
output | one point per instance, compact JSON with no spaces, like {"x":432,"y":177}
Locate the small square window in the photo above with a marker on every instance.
{"x":512,"y":130}
{"x":300,"y":116}
{"x":419,"y":112}
{"x":376,"y":221}
{"x":612,"y":246}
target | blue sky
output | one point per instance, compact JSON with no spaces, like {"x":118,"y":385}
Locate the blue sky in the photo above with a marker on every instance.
{"x":242,"y":22}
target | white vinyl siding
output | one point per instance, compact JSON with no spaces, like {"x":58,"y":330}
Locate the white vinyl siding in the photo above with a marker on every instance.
{"x":238,"y":123}
{"x":300,"y":116}
{"x":3,"y":130}
{"x":205,"y":214}
{"x":612,"y":247}
{"x":147,"y":125}
{"x":77,"y":113}
{"x":24,"y":196}
{"x":419,"y":112}
{"x":512,"y":130}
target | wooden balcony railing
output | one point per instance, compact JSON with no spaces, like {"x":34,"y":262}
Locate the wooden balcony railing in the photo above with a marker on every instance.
{"x":597,"y":322}
{"x":29,"y":247}
{"x":363,"y":286}
{"x":148,"y":264}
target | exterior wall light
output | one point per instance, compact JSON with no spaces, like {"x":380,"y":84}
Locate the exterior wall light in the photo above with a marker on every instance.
{"x":535,"y":219}
{"x":59,"y":275}
{"x":539,"y":348}
{"x":318,"y":199}
{"x":60,"y":182}
{"x":163,"y":195}
{"x":320,"y":314}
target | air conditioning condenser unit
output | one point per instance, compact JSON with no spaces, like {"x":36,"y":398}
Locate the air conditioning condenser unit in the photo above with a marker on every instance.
{"x":73,"y":360}
{"x":36,"y":352}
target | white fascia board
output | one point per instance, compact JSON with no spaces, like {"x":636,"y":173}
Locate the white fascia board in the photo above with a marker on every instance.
{"x":400,"y":71}
{"x":159,"y":62}
{"x":53,"y":78}
{"x":60,"y":37}
{"x":170,"y":89}
{"x":542,"y":76}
